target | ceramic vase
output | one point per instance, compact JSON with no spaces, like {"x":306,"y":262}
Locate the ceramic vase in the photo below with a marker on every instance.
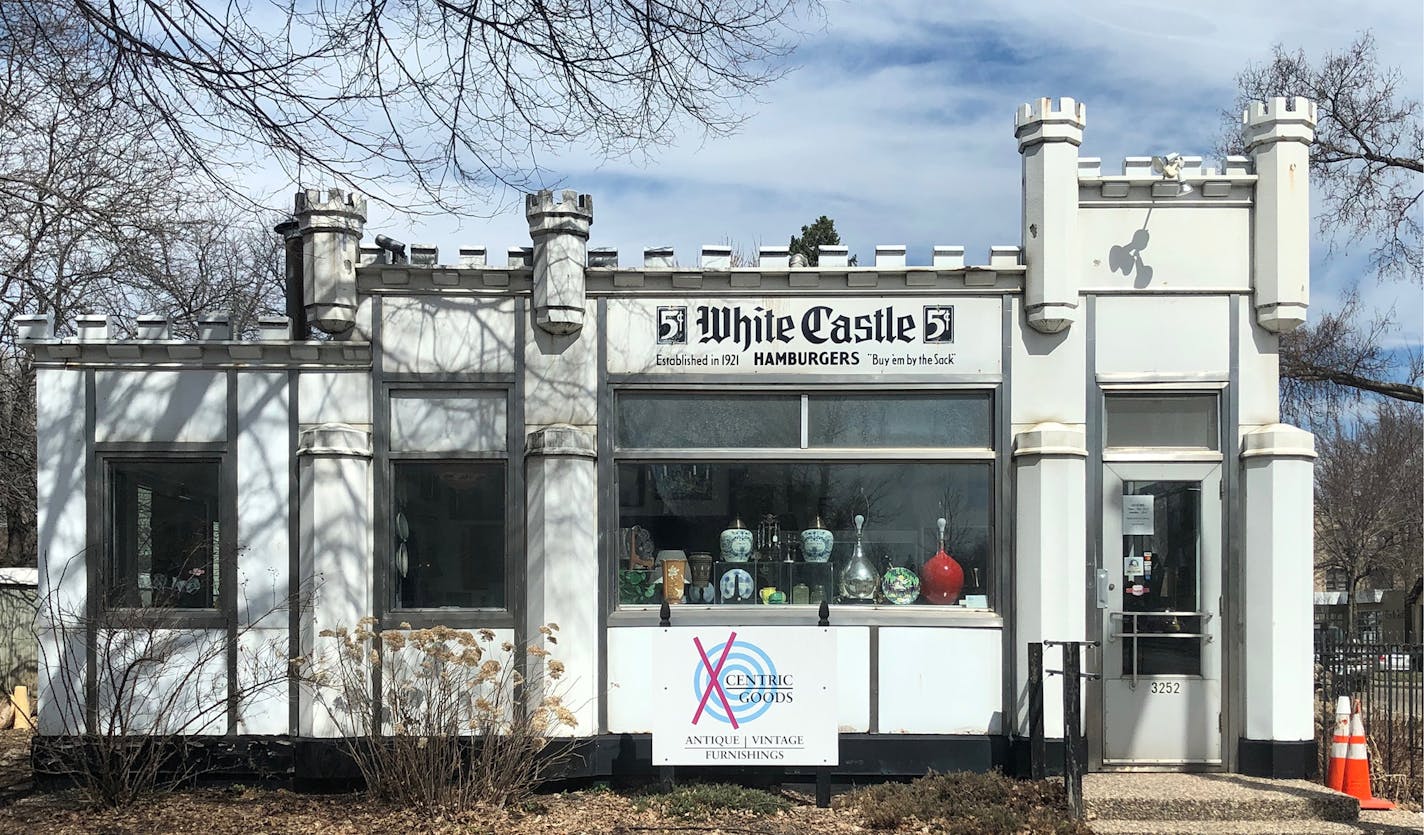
{"x":859,"y":579}
{"x":700,"y":564}
{"x":674,"y":577}
{"x":736,"y":543}
{"x":817,"y":542}
{"x":941,"y":577}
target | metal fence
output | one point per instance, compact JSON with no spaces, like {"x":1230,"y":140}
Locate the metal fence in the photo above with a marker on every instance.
{"x":1388,"y":679}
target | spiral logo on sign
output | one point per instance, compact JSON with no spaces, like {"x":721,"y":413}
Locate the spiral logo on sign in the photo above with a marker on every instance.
{"x":750,"y":667}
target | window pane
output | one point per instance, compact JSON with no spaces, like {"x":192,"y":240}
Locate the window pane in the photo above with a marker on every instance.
{"x":651,"y":421}
{"x":901,"y":420}
{"x":1164,"y":578}
{"x":164,"y":535}
{"x":685,"y":507}
{"x":468,"y":423}
{"x":447,"y":534}
{"x":1183,"y":420}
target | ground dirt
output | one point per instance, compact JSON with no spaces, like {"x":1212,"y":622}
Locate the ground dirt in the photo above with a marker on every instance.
{"x":244,"y":810}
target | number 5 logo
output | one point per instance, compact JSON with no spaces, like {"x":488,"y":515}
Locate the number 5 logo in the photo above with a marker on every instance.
{"x":939,"y":323}
{"x":672,"y":325}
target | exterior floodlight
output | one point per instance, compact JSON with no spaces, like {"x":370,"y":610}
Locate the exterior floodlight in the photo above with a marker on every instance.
{"x":1170,"y":167}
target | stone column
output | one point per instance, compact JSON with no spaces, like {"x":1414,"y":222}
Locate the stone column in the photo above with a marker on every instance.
{"x":1050,"y":470}
{"x":1278,"y":137}
{"x":334,"y":474}
{"x":330,"y":230}
{"x":562,"y":487}
{"x":1049,"y":136}
{"x":560,"y":232}
{"x":1278,"y":535}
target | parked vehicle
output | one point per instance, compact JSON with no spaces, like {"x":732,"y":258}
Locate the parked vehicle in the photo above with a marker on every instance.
{"x":1395,"y":661}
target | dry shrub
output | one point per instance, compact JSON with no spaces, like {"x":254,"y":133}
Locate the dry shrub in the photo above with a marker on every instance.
{"x":456,"y":723}
{"x":706,"y":801}
{"x":967,"y":803}
{"x":1396,"y":772}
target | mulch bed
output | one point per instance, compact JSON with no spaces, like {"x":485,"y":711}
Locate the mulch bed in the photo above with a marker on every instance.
{"x":246,"y":810}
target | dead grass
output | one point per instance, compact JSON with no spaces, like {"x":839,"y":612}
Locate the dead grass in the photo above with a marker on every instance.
{"x":966,"y":803}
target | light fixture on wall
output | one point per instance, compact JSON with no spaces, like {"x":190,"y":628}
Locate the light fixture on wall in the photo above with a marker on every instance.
{"x":1170,"y":167}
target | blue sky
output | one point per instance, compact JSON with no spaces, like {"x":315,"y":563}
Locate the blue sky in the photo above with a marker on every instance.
{"x":898,"y":123}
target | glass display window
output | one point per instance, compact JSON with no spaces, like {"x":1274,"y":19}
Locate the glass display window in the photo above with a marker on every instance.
{"x":449,"y":534}
{"x":449,"y":517}
{"x":164,"y":534}
{"x":835,"y":497}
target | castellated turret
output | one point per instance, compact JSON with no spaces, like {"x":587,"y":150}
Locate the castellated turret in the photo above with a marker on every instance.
{"x":559,"y":228}
{"x":1278,"y":137}
{"x":1049,"y":133}
{"x":330,"y":225}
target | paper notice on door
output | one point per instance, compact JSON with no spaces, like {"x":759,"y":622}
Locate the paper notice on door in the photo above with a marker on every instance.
{"x":1137,"y":515}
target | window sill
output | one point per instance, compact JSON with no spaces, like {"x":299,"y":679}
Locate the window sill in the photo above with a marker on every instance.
{"x":159,"y":618}
{"x":453,"y":618}
{"x":752,"y":615}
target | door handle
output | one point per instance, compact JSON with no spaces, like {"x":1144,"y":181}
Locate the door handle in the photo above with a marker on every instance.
{"x":1103,"y":588}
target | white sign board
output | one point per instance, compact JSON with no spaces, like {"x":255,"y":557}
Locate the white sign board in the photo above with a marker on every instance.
{"x":806,"y":335}
{"x":1137,"y":516}
{"x":745,"y":696}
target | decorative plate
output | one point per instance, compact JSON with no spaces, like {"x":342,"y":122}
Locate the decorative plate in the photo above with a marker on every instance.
{"x":737,"y":585}
{"x":635,"y":546}
{"x":900,"y":586}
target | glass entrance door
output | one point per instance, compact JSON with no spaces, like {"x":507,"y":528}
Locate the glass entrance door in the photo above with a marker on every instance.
{"x":1161,"y":615}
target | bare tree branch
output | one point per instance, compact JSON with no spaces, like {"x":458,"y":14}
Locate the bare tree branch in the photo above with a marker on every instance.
{"x":456,"y":95}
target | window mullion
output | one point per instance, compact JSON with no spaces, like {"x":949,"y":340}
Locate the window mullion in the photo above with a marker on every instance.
{"x":805,"y":421}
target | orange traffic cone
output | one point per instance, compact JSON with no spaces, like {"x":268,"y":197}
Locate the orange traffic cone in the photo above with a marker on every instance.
{"x":1339,"y":746}
{"x":1357,"y":766}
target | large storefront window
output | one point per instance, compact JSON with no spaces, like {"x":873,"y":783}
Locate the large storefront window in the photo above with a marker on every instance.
{"x":164,"y":534}
{"x":731,"y":499}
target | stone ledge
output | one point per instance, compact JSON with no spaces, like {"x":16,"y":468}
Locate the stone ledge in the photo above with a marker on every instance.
{"x":158,"y":354}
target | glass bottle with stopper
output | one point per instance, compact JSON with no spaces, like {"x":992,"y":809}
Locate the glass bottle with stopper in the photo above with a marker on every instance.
{"x":941,"y":577}
{"x":859,"y":579}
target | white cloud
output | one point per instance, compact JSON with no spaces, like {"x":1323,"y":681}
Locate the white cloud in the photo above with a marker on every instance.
{"x":899,"y":124}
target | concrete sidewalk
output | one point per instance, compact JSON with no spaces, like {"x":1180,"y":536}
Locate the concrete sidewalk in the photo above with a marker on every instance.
{"x":1139,"y":803}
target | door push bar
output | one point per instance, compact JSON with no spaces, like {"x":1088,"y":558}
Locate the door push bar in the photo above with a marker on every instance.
{"x":1138,"y":633}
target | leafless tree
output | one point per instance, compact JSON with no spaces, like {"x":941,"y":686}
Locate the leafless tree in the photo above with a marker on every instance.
{"x":1368,"y":165}
{"x":1369,"y":498}
{"x":1327,"y":365}
{"x":453,"y":96}
{"x":97,"y":216}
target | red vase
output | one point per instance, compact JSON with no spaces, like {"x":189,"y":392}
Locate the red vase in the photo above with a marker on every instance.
{"x":941,"y":579}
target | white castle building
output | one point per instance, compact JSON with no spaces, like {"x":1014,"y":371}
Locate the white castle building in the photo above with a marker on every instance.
{"x":1094,"y":413}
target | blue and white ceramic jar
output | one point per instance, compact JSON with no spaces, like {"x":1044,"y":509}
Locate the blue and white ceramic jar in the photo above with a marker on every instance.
{"x":736,"y":543}
{"x":817,"y":542}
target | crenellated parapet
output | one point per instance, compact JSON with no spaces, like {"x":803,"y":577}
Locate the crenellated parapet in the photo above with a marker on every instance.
{"x":1049,"y":133}
{"x":98,"y":342}
{"x":1047,"y":120}
{"x":559,"y":228}
{"x":1279,"y":120}
{"x":329,"y":225}
{"x":1278,"y":137}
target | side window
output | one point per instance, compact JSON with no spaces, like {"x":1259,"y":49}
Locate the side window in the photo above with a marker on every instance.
{"x":449,"y":532}
{"x":164,"y":537}
{"x":448,"y":501}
